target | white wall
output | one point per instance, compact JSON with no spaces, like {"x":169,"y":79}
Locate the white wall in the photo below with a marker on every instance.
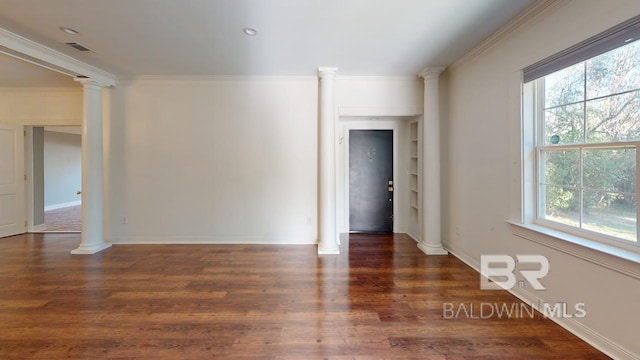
{"x":41,"y":106}
{"x":221,"y":160}
{"x":483,"y":165}
{"x":383,"y":103}
{"x":375,"y":96}
{"x":225,"y":159}
{"x":62,"y":169}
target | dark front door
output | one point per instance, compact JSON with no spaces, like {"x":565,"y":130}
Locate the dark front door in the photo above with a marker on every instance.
{"x":371,"y":180}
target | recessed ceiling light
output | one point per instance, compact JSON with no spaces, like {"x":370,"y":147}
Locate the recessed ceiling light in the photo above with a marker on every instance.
{"x":69,"y":31}
{"x":250,"y":31}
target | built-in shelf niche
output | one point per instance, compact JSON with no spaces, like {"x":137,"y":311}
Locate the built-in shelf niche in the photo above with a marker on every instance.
{"x":414,"y":159}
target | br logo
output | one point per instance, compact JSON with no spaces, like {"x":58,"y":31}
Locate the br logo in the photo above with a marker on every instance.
{"x":498,"y":271}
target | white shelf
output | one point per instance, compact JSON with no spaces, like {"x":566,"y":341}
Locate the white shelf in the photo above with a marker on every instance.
{"x":414,"y":160}
{"x":414,"y":199}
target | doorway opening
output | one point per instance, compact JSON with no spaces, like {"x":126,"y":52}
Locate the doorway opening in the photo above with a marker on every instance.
{"x":371,"y":181}
{"x":401,"y":158}
{"x":57,"y":179}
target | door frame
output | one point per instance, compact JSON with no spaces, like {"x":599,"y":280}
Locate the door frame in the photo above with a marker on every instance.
{"x":346,"y":124}
{"x":29,"y":171}
{"x":371,"y":134}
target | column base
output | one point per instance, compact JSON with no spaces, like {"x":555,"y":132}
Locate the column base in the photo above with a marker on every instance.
{"x":90,"y":249}
{"x":432,"y":250}
{"x":328,"y":250}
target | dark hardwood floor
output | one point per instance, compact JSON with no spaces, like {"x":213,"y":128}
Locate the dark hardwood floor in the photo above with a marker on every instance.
{"x":380,"y":299}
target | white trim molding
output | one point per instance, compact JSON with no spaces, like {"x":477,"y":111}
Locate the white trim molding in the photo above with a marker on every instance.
{"x":540,"y":8}
{"x":346,"y":125}
{"x":205,"y":239}
{"x":30,"y":51}
{"x":205,"y":79}
{"x":610,"y":257}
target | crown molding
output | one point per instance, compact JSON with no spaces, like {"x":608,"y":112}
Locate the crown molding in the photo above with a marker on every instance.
{"x":541,"y":7}
{"x":30,"y":51}
{"x":215,"y":79}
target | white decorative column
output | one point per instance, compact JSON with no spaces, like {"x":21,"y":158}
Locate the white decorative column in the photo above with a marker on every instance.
{"x":328,"y":243}
{"x":431,"y":243}
{"x":92,"y":238}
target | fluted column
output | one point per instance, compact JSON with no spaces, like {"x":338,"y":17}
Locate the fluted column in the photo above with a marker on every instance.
{"x":92,"y":237}
{"x":431,"y":243}
{"x":328,"y":242}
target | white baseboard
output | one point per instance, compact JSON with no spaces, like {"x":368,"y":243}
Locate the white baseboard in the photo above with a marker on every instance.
{"x":577,"y":328}
{"x":415,"y":237}
{"x":572,"y":325}
{"x":63,"y":205}
{"x":221,"y":240}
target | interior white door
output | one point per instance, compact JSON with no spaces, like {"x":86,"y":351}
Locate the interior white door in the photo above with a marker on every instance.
{"x":12,"y":183}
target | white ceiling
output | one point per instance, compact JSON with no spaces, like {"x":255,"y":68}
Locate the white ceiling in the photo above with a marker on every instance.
{"x":204,"y":37}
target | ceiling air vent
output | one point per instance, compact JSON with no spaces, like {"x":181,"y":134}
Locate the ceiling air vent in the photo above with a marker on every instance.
{"x":78,"y":47}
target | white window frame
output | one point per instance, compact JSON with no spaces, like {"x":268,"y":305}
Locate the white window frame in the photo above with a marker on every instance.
{"x":533,"y":208}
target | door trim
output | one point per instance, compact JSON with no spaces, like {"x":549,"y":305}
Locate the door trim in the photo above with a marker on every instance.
{"x":28,"y":170}
{"x":342,"y":193}
{"x":30,"y":195}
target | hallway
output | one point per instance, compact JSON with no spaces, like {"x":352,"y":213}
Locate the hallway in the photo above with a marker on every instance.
{"x":67,"y":219}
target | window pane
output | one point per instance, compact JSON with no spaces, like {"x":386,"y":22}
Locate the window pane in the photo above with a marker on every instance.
{"x":561,"y":204}
{"x":564,"y":125}
{"x":593,"y":102}
{"x":561,"y":167}
{"x":564,"y":87}
{"x":609,"y":169}
{"x":614,"y":72}
{"x":610,"y":213}
{"x":614,"y":118}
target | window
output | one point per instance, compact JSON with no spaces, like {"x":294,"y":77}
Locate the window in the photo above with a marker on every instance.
{"x":585,"y":136}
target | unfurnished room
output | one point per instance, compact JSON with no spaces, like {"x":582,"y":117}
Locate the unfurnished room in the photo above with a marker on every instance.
{"x":336,"y":179}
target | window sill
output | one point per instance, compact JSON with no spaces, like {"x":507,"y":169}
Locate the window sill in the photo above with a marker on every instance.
{"x":617,"y":259}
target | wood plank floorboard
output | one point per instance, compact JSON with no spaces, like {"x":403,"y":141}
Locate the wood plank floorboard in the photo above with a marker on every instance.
{"x":381,"y":298}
